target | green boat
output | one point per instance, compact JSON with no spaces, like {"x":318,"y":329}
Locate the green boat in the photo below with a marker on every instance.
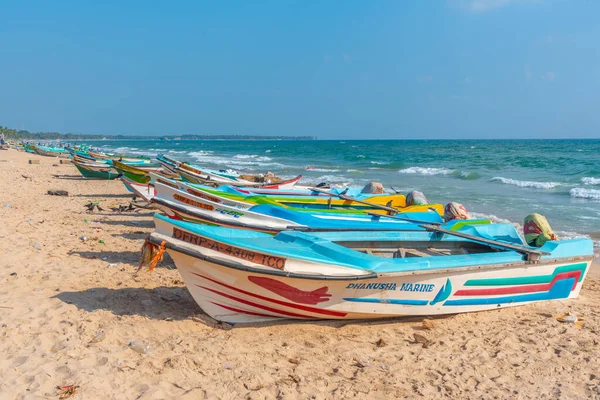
{"x":96,"y":172}
{"x":138,"y":173}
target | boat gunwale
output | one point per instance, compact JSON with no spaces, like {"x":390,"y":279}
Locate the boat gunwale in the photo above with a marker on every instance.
{"x":187,"y":249}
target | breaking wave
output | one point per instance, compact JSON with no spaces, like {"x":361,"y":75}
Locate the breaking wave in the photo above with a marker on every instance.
{"x":465,"y":175}
{"x":252,"y":156}
{"x":238,"y":161}
{"x":590,"y":181}
{"x":581,"y":193}
{"x":426,"y":171}
{"x":526,"y":184}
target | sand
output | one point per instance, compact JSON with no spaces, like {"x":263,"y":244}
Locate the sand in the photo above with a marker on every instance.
{"x":57,"y":291}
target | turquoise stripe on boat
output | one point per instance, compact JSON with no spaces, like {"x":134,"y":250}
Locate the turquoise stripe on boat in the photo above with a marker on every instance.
{"x":528,"y":280}
{"x":560,"y":290}
{"x":388,"y":301}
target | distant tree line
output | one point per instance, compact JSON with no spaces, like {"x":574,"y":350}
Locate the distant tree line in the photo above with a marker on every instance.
{"x":22,"y":134}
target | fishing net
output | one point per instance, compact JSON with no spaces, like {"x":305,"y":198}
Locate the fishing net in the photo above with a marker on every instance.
{"x":537,"y":230}
{"x":415,"y":198}
{"x":151,"y":255}
{"x":455,"y":211}
{"x":373,"y":188}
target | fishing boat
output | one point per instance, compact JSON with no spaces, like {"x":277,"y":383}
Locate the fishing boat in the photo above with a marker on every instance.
{"x":270,"y":217}
{"x":310,"y":198}
{"x":51,"y":151}
{"x":120,"y":157}
{"x":206,"y":176}
{"x":245,"y":277}
{"x":323,"y":200}
{"x":209,"y":177}
{"x":96,"y":170}
{"x":137,"y":173}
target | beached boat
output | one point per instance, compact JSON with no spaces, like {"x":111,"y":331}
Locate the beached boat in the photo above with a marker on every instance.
{"x":241,"y":277}
{"x":321,"y":200}
{"x":120,"y":157}
{"x":209,"y":177}
{"x":268,"y":216}
{"x":326,"y":199}
{"x":51,"y":151}
{"x":93,"y":170}
{"x":139,"y":172}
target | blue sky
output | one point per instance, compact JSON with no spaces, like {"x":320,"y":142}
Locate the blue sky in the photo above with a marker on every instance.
{"x":334,"y":69}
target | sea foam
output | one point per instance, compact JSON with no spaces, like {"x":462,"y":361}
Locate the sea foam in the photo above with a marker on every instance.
{"x":581,"y":193}
{"x":526,"y":184}
{"x":426,"y":171}
{"x":590,"y":181}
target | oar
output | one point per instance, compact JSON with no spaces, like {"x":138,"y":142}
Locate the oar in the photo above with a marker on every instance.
{"x":416,"y":221}
{"x":391,"y":210}
{"x":532,"y":255}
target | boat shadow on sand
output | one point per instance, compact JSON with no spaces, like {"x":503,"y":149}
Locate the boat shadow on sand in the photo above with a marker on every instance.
{"x":159,"y":303}
{"x":135,"y":224}
{"x":107,"y":195}
{"x":70,"y":177}
{"x":122,"y":257}
{"x":176,"y":303}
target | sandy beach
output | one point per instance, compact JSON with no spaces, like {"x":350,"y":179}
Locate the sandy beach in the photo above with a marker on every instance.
{"x":58,"y":290}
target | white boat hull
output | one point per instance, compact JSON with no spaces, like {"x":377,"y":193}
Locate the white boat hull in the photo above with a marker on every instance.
{"x":240,"y":296}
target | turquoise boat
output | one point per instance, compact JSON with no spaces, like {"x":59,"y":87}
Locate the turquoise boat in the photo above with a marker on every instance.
{"x":271,"y":217}
{"x":238,"y":276}
{"x":51,"y":151}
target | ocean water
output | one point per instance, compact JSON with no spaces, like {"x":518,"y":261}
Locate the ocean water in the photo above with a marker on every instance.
{"x":504,"y":180}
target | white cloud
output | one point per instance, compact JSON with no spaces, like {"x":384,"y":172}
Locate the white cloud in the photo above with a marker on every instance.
{"x":549,"y":76}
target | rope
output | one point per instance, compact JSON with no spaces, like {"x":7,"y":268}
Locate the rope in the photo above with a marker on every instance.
{"x":151,"y":255}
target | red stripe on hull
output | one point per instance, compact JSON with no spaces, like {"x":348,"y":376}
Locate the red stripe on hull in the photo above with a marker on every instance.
{"x":283,"y":303}
{"x":250,"y":303}
{"x":239,"y":310}
{"x":544,"y":287}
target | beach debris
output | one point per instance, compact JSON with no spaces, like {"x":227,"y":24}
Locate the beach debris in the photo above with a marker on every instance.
{"x":362,"y":363}
{"x":380,"y":343}
{"x":112,"y":265}
{"x":420,"y":339}
{"x":101,"y":241}
{"x":64,"y":392}
{"x":428,"y":324}
{"x":82,"y":238}
{"x":58,"y":193}
{"x":7,"y":205}
{"x":27,"y":176}
{"x":228,"y":366}
{"x":37,"y":245}
{"x":140,"y":347}
{"x":13,"y":274}
{"x":151,"y":255}
{"x":100,"y":336}
{"x":569,"y":318}
{"x":292,"y":360}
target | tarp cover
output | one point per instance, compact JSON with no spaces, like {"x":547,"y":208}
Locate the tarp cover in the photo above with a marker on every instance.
{"x":415,"y":198}
{"x":455,"y":211}
{"x":537,"y":230}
